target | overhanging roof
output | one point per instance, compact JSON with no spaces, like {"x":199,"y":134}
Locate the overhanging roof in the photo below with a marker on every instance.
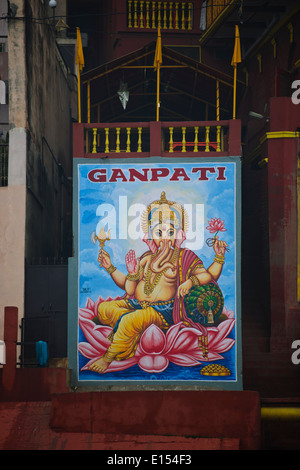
{"x":257,"y":20}
{"x":187,"y":88}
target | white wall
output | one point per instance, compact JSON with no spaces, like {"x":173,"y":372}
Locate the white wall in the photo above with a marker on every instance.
{"x":13,"y":197}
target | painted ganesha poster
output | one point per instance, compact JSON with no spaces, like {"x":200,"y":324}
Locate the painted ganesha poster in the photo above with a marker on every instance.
{"x":158,"y":271}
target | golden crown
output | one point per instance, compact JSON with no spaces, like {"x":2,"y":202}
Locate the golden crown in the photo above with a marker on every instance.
{"x":164,"y":210}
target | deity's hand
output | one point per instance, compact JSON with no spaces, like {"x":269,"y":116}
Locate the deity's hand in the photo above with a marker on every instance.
{"x":104,"y":259}
{"x":184,"y":288}
{"x":219,"y":247}
{"x":132,"y":263}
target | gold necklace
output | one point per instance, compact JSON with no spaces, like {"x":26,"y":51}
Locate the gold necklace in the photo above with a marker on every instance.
{"x":148,"y":286}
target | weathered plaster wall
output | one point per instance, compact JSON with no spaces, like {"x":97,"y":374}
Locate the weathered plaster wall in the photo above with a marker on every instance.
{"x":12,"y":198}
{"x":35,"y":208}
{"x":49,"y":90}
{"x":12,"y":241}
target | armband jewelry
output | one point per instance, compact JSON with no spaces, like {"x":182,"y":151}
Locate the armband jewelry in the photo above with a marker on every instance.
{"x":133,"y":277}
{"x":195,"y":280}
{"x":111,"y":269}
{"x":219,"y":259}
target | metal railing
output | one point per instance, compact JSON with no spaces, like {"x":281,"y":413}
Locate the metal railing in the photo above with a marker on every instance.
{"x":166,"y":139}
{"x":166,"y":15}
{"x":28,"y":357}
{"x":197,"y":138}
{"x":117,"y":138}
{"x":213,"y":9}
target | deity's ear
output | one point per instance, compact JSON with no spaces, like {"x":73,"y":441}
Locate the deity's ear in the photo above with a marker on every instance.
{"x":150,"y":243}
{"x":180,"y":237}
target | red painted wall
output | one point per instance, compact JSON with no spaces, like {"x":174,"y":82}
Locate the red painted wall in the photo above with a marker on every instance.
{"x":283,"y":219}
{"x":270,"y":213}
{"x":210,"y":414}
{"x":121,"y":40}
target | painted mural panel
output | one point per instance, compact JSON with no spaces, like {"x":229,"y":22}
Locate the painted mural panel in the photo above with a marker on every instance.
{"x":158,"y":271}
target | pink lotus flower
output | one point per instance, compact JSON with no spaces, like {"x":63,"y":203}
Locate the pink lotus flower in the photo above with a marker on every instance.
{"x":156,"y":349}
{"x":216,"y":225}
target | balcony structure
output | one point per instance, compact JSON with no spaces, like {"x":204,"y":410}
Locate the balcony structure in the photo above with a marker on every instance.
{"x":173,"y":16}
{"x":165,"y":139}
{"x":166,"y":15}
{"x":195,"y":111}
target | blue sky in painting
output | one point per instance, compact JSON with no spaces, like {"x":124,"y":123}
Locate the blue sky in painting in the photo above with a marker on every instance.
{"x":214,"y":199}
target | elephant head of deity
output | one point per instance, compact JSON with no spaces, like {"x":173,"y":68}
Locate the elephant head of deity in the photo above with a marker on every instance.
{"x":164,"y":224}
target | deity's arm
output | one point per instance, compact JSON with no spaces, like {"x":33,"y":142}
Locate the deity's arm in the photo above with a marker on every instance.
{"x":215,"y":270}
{"x":130,"y":286}
{"x":119,"y":278}
{"x":200,"y":276}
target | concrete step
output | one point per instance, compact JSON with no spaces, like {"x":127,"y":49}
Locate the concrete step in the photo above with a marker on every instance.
{"x":26,"y":426}
{"x":163,"y":413}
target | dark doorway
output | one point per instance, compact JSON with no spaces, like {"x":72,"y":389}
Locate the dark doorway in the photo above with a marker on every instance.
{"x":46,"y":307}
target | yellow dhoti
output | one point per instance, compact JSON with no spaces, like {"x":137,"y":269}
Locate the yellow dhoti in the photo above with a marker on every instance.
{"x":130,"y":328}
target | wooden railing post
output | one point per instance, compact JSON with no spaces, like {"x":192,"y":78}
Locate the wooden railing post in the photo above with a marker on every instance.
{"x":78,"y":140}
{"x":159,"y":14}
{"x":196,"y":136}
{"x":234,"y":138}
{"x":155,"y":139}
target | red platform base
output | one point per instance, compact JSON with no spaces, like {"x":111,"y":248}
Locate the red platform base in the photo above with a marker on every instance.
{"x":225,"y":419}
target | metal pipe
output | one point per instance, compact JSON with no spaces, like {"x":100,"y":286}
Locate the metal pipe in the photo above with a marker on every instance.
{"x":280,"y":413}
